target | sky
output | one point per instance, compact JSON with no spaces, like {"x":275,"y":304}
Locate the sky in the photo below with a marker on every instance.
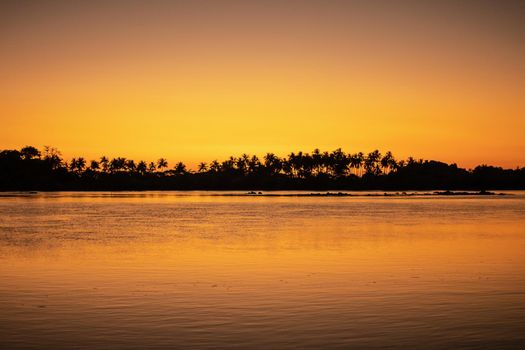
{"x":198,"y":80}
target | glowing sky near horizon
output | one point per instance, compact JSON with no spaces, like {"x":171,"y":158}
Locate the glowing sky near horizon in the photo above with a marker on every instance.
{"x":199,"y":80}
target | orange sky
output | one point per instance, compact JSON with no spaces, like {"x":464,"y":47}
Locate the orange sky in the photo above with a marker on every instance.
{"x":198,"y":80}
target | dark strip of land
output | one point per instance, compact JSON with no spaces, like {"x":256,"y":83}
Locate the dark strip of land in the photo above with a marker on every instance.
{"x":30,"y":169}
{"x":385,"y":194}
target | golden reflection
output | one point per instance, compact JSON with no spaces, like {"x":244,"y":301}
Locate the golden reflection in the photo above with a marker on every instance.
{"x":182,"y":270}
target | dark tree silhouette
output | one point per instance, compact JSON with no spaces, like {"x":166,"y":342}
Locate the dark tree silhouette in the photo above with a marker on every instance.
{"x":152,"y":168}
{"x":372,"y":163}
{"x":180,"y":169}
{"x":162,"y":163}
{"x":117,"y":165}
{"x":388,"y":162}
{"x":30,"y":152}
{"x":203,"y":167}
{"x":104,"y":163}
{"x":94,"y":165}
{"x":53,"y":157}
{"x":77,"y":165}
{"x":272,"y":164}
{"x":142,"y":167}
{"x":215,"y":166}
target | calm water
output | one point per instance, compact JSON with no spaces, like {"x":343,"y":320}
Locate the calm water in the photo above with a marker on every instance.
{"x":173,"y":270}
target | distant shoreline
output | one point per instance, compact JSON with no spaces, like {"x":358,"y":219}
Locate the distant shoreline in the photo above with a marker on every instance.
{"x":227,"y":193}
{"x":30,"y":169}
{"x":384,"y":194}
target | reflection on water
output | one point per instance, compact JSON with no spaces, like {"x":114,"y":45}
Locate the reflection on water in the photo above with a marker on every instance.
{"x":179,"y":270}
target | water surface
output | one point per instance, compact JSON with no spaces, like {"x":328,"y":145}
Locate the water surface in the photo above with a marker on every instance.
{"x":196,"y":270}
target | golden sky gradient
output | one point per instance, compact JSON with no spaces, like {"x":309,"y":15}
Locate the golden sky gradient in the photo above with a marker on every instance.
{"x":198,"y":80}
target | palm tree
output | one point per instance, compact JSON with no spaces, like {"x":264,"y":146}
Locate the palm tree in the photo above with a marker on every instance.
{"x":295,"y":164}
{"x":162,"y":163}
{"x":272,"y":163}
{"x":180,"y":168}
{"x":388,"y":162}
{"x":215,"y":166}
{"x":317,"y":158}
{"x":77,"y":165}
{"x":340,"y":162}
{"x":152,"y":167}
{"x":287,"y":167}
{"x":228,"y":165}
{"x":117,"y":164}
{"x":53,"y":157}
{"x":242,"y":163}
{"x":307,"y":165}
{"x":94,"y":165}
{"x":356,"y":161}
{"x":393,"y":164}
{"x":326,"y":163}
{"x":202,"y":167}
{"x":131,"y":166}
{"x":372,"y":163}
{"x":73,"y":164}
{"x":142,"y":167}
{"x":104,"y":163}
{"x":254,"y":164}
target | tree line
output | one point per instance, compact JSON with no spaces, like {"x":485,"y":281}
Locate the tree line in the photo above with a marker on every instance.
{"x":32,"y":169}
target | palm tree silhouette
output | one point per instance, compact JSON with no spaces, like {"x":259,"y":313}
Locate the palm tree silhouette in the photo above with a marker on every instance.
{"x":131,"y":166}
{"x":142,"y":167}
{"x":317,"y":160}
{"x":117,"y":164}
{"x":272,"y":163}
{"x":53,"y":157}
{"x":94,"y":165}
{"x":77,"y":165}
{"x":152,"y":167}
{"x":162,"y":163}
{"x":228,"y":165}
{"x":215,"y":166}
{"x":242,"y":163}
{"x":340,"y":162}
{"x":254,"y":164}
{"x":73,"y":164}
{"x":104,"y":163}
{"x":356,"y":161}
{"x":388,"y":162}
{"x":180,"y":168}
{"x":372,"y":163}
{"x":202,"y":167}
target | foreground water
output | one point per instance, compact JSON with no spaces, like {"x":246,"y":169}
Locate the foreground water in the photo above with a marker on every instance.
{"x":194,"y":270}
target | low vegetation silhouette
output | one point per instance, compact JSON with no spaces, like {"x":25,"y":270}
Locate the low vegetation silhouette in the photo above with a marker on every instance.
{"x":31,"y":169}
